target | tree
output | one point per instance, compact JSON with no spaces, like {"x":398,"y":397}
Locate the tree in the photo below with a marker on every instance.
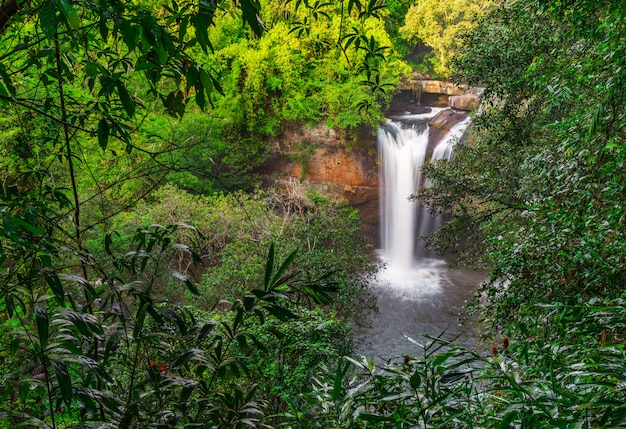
{"x":440,"y":25}
{"x":85,"y":336}
{"x":536,"y":184}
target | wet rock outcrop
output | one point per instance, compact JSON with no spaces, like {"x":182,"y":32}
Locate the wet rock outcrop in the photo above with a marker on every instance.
{"x":439,"y":93}
{"x":440,"y":124}
{"x":467,"y":102}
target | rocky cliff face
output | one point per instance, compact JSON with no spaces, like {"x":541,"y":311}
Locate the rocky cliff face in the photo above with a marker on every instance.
{"x":320,"y":156}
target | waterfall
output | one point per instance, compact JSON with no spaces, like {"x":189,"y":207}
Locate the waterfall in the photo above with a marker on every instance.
{"x":402,"y":152}
{"x":416,"y":294}
{"x":427,"y":223}
{"x":444,"y":149}
{"x":403,"y":148}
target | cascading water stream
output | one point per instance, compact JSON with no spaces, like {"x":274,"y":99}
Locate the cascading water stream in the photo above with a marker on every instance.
{"x":403,"y":148}
{"x":416,"y":292}
{"x":427,"y":223}
{"x":402,"y":152}
{"x":444,"y":148}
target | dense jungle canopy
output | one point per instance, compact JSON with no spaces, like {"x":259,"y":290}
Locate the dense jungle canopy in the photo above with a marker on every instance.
{"x":149,"y":279}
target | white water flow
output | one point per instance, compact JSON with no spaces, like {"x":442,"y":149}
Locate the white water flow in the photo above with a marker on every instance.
{"x":402,"y":152}
{"x":416,"y":292}
{"x":427,"y":223}
{"x":403,"y":148}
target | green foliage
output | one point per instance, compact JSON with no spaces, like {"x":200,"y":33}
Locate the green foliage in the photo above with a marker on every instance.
{"x":236,"y":229}
{"x":440,"y":25}
{"x":25,"y":144}
{"x":104,"y":76}
{"x":536,"y":186}
{"x":570,"y":377}
{"x":394,"y":21}
{"x":295,"y":350}
{"x":115,"y":353}
{"x":311,"y":56}
{"x":87,"y":336}
{"x":535,"y":195}
{"x":78,"y":80}
{"x":101,"y":46}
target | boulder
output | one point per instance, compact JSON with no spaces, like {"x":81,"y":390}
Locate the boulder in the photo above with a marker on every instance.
{"x":467,"y":102}
{"x":432,"y":86}
{"x":441,"y":123}
{"x":439,"y":87}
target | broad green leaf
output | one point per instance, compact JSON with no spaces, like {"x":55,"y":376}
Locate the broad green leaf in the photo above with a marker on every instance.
{"x":248,"y":303}
{"x":41,"y":317}
{"x":178,"y":319}
{"x":156,"y":315}
{"x":191,"y":287}
{"x":337,"y":386}
{"x":250,"y":13}
{"x":200,"y":100}
{"x":243,"y":343}
{"x":162,"y":53}
{"x":129,"y":34}
{"x":206,"y":81}
{"x":258,"y":344}
{"x":91,"y":69}
{"x":64,"y":380}
{"x":145,"y":66}
{"x":216,"y":85}
{"x":4,"y":95}
{"x":269,"y":267}
{"x":193,"y":77}
{"x":86,"y":323}
{"x":103,"y":133}
{"x":9,"y":303}
{"x":281,"y":313}
{"x":27,"y":226}
{"x":107,"y":85}
{"x":103,"y":28}
{"x":8,"y":84}
{"x":139,"y":320}
{"x":174,"y":104}
{"x":415,"y":380}
{"x":205,"y":330}
{"x":15,"y":346}
{"x":352,"y":4}
{"x":70,"y":14}
{"x":201,"y":27}
{"x":55,"y":285}
{"x":126,"y":99}
{"x":186,"y":392}
{"x":182,"y":29}
{"x":48,"y":19}
{"x":509,"y":418}
{"x":277,"y":279}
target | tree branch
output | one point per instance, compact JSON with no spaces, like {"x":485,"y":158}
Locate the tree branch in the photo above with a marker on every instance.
{"x":8,"y":9}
